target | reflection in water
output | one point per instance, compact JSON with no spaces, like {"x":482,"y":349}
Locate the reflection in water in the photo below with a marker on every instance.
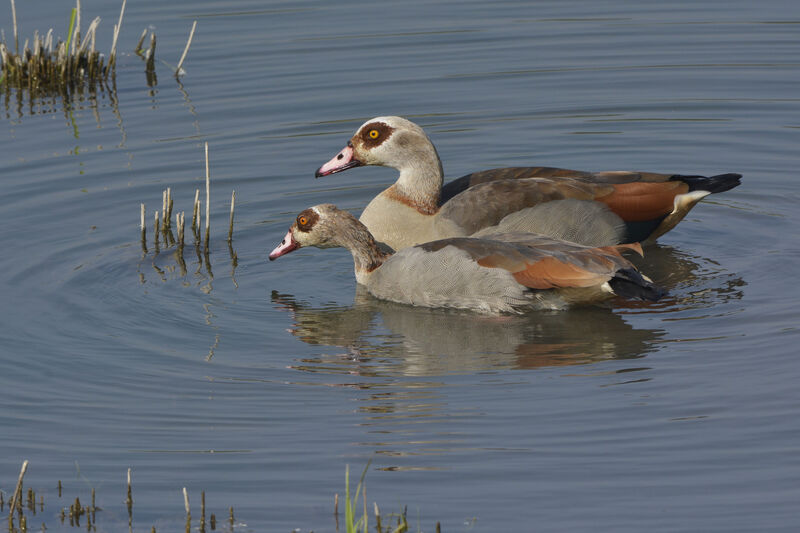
{"x":693,"y":282}
{"x":430,"y":342}
{"x":408,"y":419}
{"x":19,"y":102}
{"x":175,"y":264}
{"x":163,"y":236}
{"x":384,"y":341}
{"x":425,"y":342}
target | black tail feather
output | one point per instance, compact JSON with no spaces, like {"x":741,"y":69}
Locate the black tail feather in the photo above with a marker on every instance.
{"x":718,"y":183}
{"x":629,"y":283}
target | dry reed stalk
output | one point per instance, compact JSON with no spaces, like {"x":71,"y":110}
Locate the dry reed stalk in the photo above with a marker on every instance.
{"x":157,"y":229}
{"x":202,"y":510}
{"x":208,"y":199}
{"x":138,"y":49}
{"x":166,"y":206}
{"x":18,"y":490}
{"x":76,"y":34}
{"x":89,"y":37}
{"x":186,"y":503}
{"x":378,"y":518}
{"x":112,"y":58}
{"x":129,"y":498}
{"x":180,"y":220}
{"x":169,"y":203}
{"x":185,"y":50}
{"x":16,"y":35}
{"x":196,"y":211}
{"x":143,"y":228}
{"x":230,"y":226}
{"x":150,"y":55}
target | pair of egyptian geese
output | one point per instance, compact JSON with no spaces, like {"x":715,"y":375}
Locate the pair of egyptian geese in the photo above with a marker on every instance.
{"x":495,"y":241}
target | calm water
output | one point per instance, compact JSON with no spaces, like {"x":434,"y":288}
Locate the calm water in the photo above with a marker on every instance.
{"x":258,"y":383}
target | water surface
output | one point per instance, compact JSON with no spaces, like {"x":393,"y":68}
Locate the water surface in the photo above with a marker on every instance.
{"x":258,"y":382}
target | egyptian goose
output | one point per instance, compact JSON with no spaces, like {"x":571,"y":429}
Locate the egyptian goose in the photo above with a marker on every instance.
{"x":502,"y":273}
{"x":605,"y":208}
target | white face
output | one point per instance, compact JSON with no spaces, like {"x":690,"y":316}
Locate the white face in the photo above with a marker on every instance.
{"x":388,"y":141}
{"x":316,"y":226}
{"x":304,"y":232}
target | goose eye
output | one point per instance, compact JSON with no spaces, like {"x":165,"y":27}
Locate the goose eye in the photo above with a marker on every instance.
{"x":373,"y":134}
{"x":302,"y":221}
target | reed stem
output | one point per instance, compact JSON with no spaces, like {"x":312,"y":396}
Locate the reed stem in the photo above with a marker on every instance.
{"x":143,"y":228}
{"x":196,"y":212}
{"x":208,"y":199}
{"x":76,"y":39}
{"x":186,"y":505}
{"x":185,"y":50}
{"x":150,"y":55}
{"x":16,"y":35}
{"x":112,"y":58}
{"x":230,"y":226}
{"x":156,"y":230}
{"x":138,"y":49}
{"x":17,"y":491}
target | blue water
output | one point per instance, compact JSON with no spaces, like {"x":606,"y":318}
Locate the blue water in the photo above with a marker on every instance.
{"x":259,"y":382}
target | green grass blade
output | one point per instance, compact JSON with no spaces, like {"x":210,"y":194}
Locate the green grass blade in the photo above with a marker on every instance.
{"x":348,"y":509}
{"x":71,"y":27}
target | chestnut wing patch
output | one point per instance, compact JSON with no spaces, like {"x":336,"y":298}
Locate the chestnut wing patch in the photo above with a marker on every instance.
{"x":641,"y":201}
{"x":550,"y":273}
{"x":538,"y":262}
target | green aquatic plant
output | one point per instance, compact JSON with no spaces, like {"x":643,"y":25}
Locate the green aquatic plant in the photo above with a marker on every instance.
{"x":352,"y":525}
{"x":361,"y":525}
{"x":71,"y":26}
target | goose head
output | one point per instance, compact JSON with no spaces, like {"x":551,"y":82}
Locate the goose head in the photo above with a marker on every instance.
{"x":384,"y":141}
{"x":327,"y":226}
{"x":312,"y":227}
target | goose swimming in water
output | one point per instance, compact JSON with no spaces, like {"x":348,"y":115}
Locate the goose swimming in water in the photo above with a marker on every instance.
{"x":500,"y":273}
{"x":595,"y":208}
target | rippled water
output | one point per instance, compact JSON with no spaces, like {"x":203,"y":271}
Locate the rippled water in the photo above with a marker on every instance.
{"x":258,"y":382}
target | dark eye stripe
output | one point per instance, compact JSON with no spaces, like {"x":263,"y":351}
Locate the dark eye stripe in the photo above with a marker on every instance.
{"x":306,"y":220}
{"x":375,"y":133}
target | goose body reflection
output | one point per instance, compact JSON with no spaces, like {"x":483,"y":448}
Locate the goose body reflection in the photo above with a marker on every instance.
{"x":498,"y":273}
{"x":384,"y":338}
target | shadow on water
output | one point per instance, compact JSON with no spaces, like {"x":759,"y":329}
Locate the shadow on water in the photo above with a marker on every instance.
{"x":383,"y":338}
